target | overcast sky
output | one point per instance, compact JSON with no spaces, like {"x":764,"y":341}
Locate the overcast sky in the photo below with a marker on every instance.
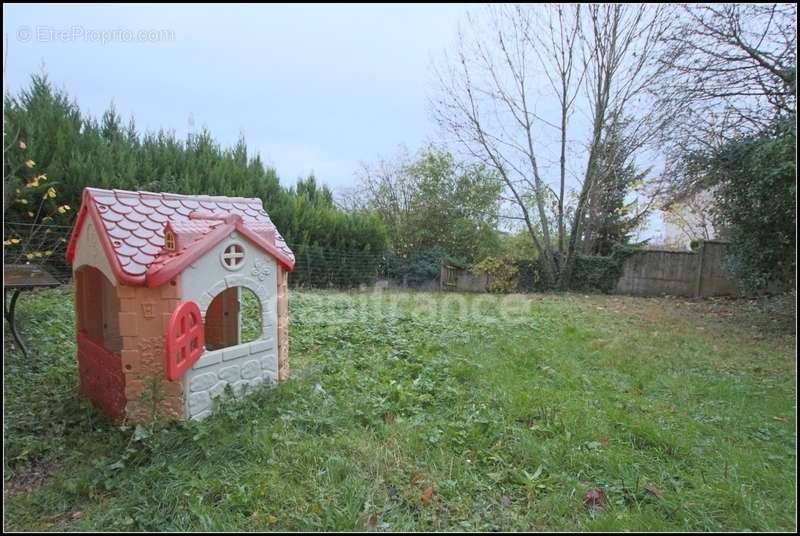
{"x":311,"y":87}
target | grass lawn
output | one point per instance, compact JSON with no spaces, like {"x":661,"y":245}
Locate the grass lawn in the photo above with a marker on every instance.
{"x":432,"y":412}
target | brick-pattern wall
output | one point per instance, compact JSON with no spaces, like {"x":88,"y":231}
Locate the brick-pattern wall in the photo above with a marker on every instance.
{"x":244,"y":367}
{"x":283,"y":324}
{"x":143,"y":317}
{"x":102,"y":381}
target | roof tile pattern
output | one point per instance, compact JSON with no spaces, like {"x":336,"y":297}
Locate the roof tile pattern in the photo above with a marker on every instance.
{"x":134,"y":223}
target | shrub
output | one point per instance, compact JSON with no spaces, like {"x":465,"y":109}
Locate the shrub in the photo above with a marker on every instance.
{"x":593,"y":273}
{"x":421,"y":268}
{"x":529,"y":276}
{"x":755,"y":199}
{"x":502,"y":272}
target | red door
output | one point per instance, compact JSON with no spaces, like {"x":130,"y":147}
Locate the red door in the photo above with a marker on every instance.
{"x":185,"y":340}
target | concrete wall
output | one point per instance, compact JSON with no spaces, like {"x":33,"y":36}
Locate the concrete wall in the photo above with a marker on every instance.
{"x":698,"y":273}
{"x":466,"y":282}
{"x":459,"y":280}
{"x":653,"y":273}
{"x":715,"y":279}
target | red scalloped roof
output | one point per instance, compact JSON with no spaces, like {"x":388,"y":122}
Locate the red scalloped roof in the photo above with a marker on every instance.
{"x":131,"y":227}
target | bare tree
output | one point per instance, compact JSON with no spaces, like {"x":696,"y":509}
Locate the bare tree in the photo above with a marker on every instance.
{"x":620,"y":43}
{"x":486,"y":104}
{"x":733,"y":67}
{"x":385,"y":188}
{"x":556,"y":41}
{"x":488,"y":101}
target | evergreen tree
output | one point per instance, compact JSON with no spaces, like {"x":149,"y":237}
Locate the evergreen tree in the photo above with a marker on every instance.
{"x":74,"y":151}
{"x":610,"y":219}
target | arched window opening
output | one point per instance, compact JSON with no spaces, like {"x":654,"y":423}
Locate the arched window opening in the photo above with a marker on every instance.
{"x":233,"y":317}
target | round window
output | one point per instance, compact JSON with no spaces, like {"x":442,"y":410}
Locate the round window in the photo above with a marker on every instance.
{"x":233,"y":256}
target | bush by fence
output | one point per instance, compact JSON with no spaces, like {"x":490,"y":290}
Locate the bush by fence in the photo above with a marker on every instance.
{"x":506,"y":274}
{"x":419,"y":270}
{"x":593,"y":273}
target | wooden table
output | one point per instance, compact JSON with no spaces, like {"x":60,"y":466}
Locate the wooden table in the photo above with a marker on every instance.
{"x":19,"y":277}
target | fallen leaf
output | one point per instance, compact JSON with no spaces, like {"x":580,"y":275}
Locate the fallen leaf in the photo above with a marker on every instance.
{"x":603,"y":440}
{"x":372,"y":521}
{"x":653,"y":490}
{"x":595,"y":497}
{"x":505,"y":501}
{"x":427,"y":495}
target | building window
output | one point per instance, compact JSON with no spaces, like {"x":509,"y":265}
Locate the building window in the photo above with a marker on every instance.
{"x":233,"y":257}
{"x":169,"y":241}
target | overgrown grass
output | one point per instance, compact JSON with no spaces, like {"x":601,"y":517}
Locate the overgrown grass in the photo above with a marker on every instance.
{"x":406,"y":413}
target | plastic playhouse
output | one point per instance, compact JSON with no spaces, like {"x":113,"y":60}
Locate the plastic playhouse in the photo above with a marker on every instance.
{"x":157,"y":285}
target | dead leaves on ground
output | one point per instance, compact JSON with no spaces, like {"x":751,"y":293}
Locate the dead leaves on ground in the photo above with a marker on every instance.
{"x":653,"y":490}
{"x":594,"y":498}
{"x":418,"y":480}
{"x":427,"y":495}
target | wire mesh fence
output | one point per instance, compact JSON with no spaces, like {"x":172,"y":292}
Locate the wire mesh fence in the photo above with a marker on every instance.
{"x":43,"y":245}
{"x":319,"y":267}
{"x":315,"y":266}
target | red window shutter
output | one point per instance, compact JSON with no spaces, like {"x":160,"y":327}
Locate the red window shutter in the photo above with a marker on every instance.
{"x":185,"y":340}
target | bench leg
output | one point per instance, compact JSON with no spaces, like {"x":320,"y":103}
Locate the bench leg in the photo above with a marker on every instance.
{"x":9,"y":314}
